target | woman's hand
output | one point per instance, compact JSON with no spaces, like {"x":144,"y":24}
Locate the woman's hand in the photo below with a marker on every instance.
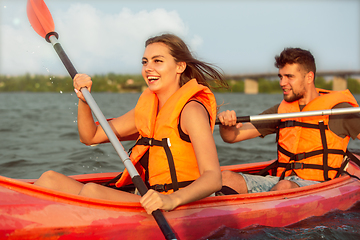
{"x":154,"y":200}
{"x":81,"y":81}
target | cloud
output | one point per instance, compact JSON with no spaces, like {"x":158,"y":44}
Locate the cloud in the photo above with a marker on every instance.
{"x":196,"y":42}
{"x":96,"y":42}
{"x":19,"y":52}
{"x":112,"y":42}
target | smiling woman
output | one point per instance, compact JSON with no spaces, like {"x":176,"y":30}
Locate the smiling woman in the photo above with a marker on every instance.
{"x":163,"y":119}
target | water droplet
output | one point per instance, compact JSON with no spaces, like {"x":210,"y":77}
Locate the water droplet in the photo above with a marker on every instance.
{"x":61,"y":92}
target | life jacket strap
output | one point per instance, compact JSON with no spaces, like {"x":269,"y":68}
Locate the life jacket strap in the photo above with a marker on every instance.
{"x":166,"y":145}
{"x":299,"y":165}
{"x":326,"y":150}
{"x":300,"y":156}
{"x":148,"y":142}
{"x":293,"y":123}
{"x":169,"y":186}
{"x":265,"y":171}
{"x":113,"y":180}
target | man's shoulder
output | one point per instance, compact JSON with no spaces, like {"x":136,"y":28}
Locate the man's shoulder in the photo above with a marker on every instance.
{"x":272,"y":110}
{"x":343,"y":105}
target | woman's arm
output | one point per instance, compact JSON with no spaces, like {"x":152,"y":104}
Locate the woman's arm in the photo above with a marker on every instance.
{"x":194,"y":122}
{"x":90,"y":133}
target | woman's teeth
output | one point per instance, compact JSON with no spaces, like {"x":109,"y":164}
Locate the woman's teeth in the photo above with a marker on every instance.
{"x":151,"y":79}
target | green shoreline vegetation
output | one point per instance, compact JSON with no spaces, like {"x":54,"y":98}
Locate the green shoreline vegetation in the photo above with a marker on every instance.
{"x":118,"y":83}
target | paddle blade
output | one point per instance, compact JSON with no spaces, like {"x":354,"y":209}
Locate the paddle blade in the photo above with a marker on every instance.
{"x":40,"y":17}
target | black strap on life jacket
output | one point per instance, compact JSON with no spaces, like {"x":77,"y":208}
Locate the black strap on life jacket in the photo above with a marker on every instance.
{"x":113,"y":180}
{"x":293,"y":164}
{"x":175,"y":185}
{"x":169,"y":186}
{"x":183,"y":135}
{"x":265,"y":171}
{"x":297,"y":165}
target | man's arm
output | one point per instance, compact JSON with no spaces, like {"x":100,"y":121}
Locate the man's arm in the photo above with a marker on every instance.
{"x":240,"y":132}
{"x":345,"y":124}
{"x":232,"y":132}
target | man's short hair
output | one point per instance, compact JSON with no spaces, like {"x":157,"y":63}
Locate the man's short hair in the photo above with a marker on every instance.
{"x":296,"y":55}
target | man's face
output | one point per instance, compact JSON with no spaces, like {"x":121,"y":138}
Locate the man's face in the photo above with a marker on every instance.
{"x":292,"y":82}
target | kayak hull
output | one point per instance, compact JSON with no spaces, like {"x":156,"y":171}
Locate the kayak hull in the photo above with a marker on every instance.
{"x":32,"y":212}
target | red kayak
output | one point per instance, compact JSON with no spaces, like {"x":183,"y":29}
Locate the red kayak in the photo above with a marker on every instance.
{"x":32,"y":212}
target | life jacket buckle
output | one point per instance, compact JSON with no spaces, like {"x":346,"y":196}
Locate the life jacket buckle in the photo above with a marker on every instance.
{"x":160,"y":187}
{"x":150,"y":141}
{"x":300,"y":156}
{"x":290,"y":123}
{"x":297,"y":165}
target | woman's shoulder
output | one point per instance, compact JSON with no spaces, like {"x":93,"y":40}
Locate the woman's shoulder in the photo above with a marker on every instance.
{"x":194,"y":113}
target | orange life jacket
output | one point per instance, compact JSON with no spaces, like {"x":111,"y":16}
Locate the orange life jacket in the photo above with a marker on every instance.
{"x":306,"y":145}
{"x":172,"y":161}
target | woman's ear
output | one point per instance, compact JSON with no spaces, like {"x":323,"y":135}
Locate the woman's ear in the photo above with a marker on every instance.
{"x":181,"y":66}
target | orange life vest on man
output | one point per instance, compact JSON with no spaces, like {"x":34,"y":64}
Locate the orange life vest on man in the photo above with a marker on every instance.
{"x":171,"y":163}
{"x":306,"y":145}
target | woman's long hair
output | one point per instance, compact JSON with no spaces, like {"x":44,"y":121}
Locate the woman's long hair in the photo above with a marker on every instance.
{"x":204,"y":73}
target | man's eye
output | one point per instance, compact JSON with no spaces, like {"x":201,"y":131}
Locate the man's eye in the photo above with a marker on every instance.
{"x":143,"y":62}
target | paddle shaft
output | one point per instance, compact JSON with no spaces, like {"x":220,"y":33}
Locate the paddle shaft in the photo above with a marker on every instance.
{"x":137,"y":180}
{"x":267,"y":117}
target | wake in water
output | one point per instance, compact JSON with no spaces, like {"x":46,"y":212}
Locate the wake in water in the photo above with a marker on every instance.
{"x":337,"y":225}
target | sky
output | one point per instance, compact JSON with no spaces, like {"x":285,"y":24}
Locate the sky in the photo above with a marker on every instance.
{"x":240,"y":37}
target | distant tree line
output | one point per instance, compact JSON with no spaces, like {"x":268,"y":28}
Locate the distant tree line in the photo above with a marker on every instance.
{"x":41,"y":83}
{"x":134,"y":83}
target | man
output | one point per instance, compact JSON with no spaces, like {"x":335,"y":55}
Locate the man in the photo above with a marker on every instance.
{"x":310,"y":149}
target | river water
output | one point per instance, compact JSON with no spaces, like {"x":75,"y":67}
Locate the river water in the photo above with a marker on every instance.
{"x":39,"y":132}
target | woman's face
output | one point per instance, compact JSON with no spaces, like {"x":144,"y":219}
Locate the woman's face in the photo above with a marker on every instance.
{"x":160,"y":71}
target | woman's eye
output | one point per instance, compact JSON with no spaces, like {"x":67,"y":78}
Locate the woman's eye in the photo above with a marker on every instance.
{"x":158,"y":60}
{"x":143,"y":62}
